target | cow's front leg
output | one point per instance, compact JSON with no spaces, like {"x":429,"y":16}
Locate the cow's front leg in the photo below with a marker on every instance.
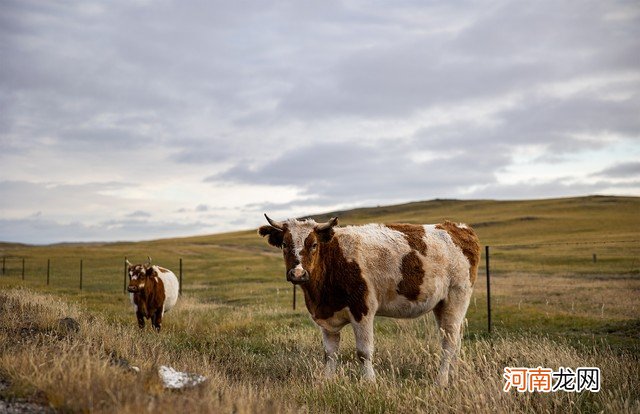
{"x":156,"y":319}
{"x":140,"y":317}
{"x":331,"y":342}
{"x":363,"y":332}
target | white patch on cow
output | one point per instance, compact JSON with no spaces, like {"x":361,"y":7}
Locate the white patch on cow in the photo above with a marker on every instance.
{"x":171,"y":288}
{"x":134,"y":277}
{"x":300,"y":230}
{"x":462,"y":226}
{"x":377,"y":248}
{"x":431,"y":230}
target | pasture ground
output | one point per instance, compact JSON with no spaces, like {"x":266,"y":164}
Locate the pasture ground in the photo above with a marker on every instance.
{"x":552,"y":306}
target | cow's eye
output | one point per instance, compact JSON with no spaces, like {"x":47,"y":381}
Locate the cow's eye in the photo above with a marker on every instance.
{"x":285,"y":246}
{"x":314,"y":246}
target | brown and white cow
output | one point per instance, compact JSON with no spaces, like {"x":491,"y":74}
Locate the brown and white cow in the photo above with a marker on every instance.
{"x":351,"y":274}
{"x":153,"y":290}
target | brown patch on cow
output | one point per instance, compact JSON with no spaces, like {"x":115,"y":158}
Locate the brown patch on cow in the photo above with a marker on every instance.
{"x":335,"y":284}
{"x":411,"y":267}
{"x":150,"y":299}
{"x":467,"y":241}
{"x":414,"y":234}
{"x":412,"y":276}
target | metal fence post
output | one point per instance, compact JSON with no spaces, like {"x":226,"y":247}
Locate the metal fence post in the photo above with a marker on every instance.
{"x":180,"y":286}
{"x":294,"y":297}
{"x":80,"y":274}
{"x":486,"y":257}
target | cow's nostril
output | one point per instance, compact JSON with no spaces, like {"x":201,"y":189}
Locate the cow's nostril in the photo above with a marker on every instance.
{"x":297,"y":275}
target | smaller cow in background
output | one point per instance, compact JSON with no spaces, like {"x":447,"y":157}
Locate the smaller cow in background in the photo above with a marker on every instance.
{"x":153,"y":291}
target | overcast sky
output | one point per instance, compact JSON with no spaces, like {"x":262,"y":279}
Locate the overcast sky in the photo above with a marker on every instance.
{"x":131,"y":120}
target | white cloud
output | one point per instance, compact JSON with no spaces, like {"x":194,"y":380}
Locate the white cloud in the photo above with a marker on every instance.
{"x":127,"y":118}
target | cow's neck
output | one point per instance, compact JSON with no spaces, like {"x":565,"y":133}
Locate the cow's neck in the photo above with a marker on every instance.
{"x":334,"y":284}
{"x":148,"y":289}
{"x":322,"y":278}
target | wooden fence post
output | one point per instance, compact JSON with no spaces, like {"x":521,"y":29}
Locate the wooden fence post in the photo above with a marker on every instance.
{"x":125,"y":275}
{"x":80,"y":274}
{"x":48,"y":270}
{"x":486,"y":258}
{"x":23,"y":268}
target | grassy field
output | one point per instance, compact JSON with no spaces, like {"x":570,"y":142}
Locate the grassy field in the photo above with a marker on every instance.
{"x":553,"y":306}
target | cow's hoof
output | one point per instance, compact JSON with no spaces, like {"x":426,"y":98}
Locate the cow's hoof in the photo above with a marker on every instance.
{"x":442,"y":382}
{"x":369,"y":378}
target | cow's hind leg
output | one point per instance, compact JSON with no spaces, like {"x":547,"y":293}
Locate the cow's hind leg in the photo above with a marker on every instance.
{"x":450,"y":314}
{"x":363,"y":331}
{"x":331,"y":342}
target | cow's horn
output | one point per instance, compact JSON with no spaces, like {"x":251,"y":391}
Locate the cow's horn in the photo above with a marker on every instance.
{"x":129,"y":263}
{"x":148,"y":261}
{"x":331,"y":223}
{"x":275,"y":224}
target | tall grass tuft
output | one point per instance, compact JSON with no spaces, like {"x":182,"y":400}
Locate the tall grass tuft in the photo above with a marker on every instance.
{"x":270,"y":360}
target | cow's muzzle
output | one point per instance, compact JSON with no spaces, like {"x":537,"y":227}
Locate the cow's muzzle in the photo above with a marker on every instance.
{"x":297,"y":276}
{"x":132,"y":289}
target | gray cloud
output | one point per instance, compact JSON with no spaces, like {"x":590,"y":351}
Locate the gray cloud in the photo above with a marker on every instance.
{"x":296,"y":106}
{"x":622,"y":170}
{"x":561,"y":187}
{"x":138,"y":213}
{"x":19,"y":194}
{"x":41,"y":230}
{"x":511,"y":48}
{"x":347,"y":172}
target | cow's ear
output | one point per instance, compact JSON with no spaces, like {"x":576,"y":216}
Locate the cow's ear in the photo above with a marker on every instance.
{"x":149,"y":271}
{"x":325,"y":230}
{"x":275,"y":235}
{"x":326,"y":235}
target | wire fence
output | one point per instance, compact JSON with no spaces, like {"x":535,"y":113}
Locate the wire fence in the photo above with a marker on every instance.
{"x":578,"y":279}
{"x":571,"y":280}
{"x":72,"y":272}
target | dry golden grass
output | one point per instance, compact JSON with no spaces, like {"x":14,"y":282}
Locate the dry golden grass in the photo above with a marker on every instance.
{"x":74,"y":371}
{"x":552,"y":306}
{"x":269,"y":360}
